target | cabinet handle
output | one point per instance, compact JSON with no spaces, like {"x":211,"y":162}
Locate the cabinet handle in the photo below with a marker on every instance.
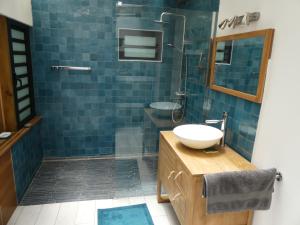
{"x":171,"y":173}
{"x":177,"y":175}
{"x":176,"y":196}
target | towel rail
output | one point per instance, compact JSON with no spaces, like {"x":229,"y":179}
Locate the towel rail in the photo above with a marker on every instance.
{"x":71,"y":68}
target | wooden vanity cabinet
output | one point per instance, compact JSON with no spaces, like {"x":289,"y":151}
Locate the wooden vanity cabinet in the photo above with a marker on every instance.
{"x":8,"y":201}
{"x":180,"y":172}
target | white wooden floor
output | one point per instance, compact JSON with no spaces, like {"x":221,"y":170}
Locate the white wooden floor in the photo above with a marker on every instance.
{"x":85,"y":212}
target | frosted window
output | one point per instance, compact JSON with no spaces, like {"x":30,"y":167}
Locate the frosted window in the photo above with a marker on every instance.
{"x":23,"y":80}
{"x":17,"y":34}
{"x":19,"y":58}
{"x":219,"y":56}
{"x":143,"y":45}
{"x":24,"y":103}
{"x":224,"y":52}
{"x":19,"y":47}
{"x":21,"y":70}
{"x":140,"y":52}
{"x":221,"y":45}
{"x":140,"y":41}
{"x":24,"y":114}
{"x":22,"y":93}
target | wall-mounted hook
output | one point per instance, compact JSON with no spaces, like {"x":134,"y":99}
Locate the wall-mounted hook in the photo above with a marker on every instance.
{"x":279,"y":176}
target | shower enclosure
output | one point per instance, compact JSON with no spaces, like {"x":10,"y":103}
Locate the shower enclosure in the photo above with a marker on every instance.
{"x":154,"y":95}
{"x":148,"y":63}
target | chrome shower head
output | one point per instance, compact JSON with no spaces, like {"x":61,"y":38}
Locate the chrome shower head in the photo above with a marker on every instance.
{"x":160,"y":21}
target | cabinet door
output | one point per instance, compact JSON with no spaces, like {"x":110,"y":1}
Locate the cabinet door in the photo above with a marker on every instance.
{"x":182,"y":178}
{"x":8,"y":201}
{"x":167,"y":170}
{"x":182,"y":182}
{"x":171,"y":179}
{"x":178,"y":201}
{"x":166,"y":174}
{"x":18,"y":36}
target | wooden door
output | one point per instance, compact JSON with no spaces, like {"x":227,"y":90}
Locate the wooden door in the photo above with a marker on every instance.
{"x":8,"y":200}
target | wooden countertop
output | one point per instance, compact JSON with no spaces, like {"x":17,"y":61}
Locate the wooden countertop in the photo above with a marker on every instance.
{"x":6,"y":144}
{"x":199,"y":162}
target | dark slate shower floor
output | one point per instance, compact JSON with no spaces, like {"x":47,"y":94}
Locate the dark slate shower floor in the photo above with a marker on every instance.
{"x":88,"y":179}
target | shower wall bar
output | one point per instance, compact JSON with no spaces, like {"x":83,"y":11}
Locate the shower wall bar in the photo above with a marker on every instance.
{"x":71,"y":68}
{"x":121,"y":4}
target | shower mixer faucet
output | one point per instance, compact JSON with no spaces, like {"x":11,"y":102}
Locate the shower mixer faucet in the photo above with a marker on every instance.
{"x":180,"y":93}
{"x":223,"y":122}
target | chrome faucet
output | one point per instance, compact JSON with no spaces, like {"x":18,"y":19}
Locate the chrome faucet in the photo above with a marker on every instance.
{"x":223,"y":126}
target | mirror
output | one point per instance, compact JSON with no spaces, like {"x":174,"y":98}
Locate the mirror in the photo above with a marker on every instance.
{"x":239,"y":64}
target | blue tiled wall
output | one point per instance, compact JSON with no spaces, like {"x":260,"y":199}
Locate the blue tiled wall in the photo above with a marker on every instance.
{"x":243,"y":72}
{"x":203,"y":103}
{"x":242,"y":122}
{"x":243,"y":115}
{"x":87,"y":114}
{"x":77,"y":107}
{"x":27,"y":156}
{"x":203,"y":5}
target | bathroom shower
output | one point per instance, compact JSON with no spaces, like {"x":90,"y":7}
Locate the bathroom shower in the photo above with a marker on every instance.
{"x":178,"y":113}
{"x":180,"y":99}
{"x":161,"y":21}
{"x":151,"y":95}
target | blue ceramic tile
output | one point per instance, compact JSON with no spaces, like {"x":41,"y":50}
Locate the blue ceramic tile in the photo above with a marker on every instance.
{"x":27,"y":156}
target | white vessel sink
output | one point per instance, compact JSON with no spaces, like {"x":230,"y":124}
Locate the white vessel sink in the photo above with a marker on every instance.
{"x":198,"y":136}
{"x":164,"y":109}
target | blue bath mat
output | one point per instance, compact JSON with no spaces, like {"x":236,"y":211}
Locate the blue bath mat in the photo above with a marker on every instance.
{"x":127,"y":215}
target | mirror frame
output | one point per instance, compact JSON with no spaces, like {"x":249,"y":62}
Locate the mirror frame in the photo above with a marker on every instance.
{"x":266,"y":55}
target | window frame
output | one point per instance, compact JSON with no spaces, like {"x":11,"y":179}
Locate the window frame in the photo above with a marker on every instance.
{"x":158,"y":34}
{"x":12,"y":24}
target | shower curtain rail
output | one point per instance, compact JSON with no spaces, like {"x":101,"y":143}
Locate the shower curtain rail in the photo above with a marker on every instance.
{"x":71,"y":68}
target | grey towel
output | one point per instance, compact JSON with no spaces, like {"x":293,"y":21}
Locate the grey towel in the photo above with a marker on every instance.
{"x":238,"y":191}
